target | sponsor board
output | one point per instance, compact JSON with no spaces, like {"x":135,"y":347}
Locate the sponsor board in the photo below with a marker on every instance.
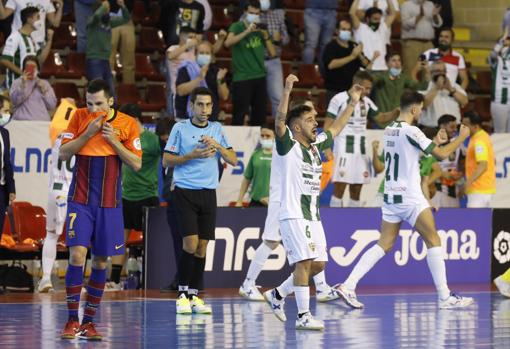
{"x":500,"y":259}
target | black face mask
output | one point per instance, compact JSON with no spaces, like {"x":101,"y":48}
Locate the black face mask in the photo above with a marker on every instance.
{"x":444,"y":47}
{"x":105,"y":19}
{"x":374,"y":26}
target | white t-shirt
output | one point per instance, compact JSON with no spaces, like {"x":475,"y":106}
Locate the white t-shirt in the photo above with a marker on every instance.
{"x":454,"y":62}
{"x":374,"y":41}
{"x":442,"y":104}
{"x":173,"y":65}
{"x":44,"y":6}
{"x":381,"y":4}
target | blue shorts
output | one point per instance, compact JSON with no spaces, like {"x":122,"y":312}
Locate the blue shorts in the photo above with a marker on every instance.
{"x":100,"y":228}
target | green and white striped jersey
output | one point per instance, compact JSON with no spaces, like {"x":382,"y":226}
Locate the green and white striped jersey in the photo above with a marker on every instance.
{"x":501,"y":78}
{"x":300,"y":176}
{"x":17,"y":47}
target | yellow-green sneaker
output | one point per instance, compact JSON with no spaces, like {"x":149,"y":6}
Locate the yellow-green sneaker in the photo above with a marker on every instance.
{"x":182,"y":305}
{"x":198,"y":306}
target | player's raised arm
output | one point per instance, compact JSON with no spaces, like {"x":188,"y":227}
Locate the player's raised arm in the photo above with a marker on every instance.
{"x":442,"y":153}
{"x":281,"y":114}
{"x":341,"y":120}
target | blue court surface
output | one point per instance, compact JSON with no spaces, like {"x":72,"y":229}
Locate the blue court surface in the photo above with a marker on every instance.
{"x":138,"y":320}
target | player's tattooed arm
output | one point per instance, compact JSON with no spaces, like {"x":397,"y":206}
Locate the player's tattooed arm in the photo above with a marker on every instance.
{"x":341,"y":120}
{"x":281,"y":114}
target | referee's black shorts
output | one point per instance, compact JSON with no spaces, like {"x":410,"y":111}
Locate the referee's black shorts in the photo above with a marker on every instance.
{"x":133,"y":211}
{"x":195,"y":212}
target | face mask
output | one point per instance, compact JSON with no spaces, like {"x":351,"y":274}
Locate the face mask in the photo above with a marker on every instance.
{"x":4,"y":118}
{"x":252,"y":18}
{"x":374,"y":26}
{"x":105,"y":19}
{"x":444,"y":47}
{"x":265,"y":5}
{"x":266,"y":143}
{"x":345,"y":35}
{"x":203,"y":59}
{"x":38,"y":25}
{"x":395,"y":72}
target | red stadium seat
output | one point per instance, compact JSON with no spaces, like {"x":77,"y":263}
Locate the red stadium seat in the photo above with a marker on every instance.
{"x":76,"y":65}
{"x":67,"y":90}
{"x":135,"y":238}
{"x":309,"y":76}
{"x":138,"y":13}
{"x":152,"y":17}
{"x":286,"y":69}
{"x":155,"y":98}
{"x":128,"y":93}
{"x":483,"y":107}
{"x":150,"y":40}
{"x":64,"y":36}
{"x":294,"y":4}
{"x":145,"y":68}
{"x":396,"y":29}
{"x":292,"y":51}
{"x":484,"y":79}
{"x":297,"y":18}
{"x":222,"y":19}
{"x":53,"y":66}
{"x":29,"y":221}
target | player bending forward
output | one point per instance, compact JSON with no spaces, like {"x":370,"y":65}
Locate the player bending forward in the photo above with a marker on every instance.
{"x":404,"y":200}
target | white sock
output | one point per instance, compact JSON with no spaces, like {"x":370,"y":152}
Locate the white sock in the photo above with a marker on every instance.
{"x":49,"y":253}
{"x":302,"y":294}
{"x":320,"y":282}
{"x":287,"y":287}
{"x":364,"y":265}
{"x":437,"y":268}
{"x":262,"y":253}
{"x":335,"y":202}
{"x":353,"y":203}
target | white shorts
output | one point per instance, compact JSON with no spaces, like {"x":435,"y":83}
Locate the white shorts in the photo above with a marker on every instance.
{"x":272,"y":225}
{"x":56,"y":211}
{"x":441,"y":199}
{"x":304,"y":239}
{"x":351,"y":168}
{"x":479,"y":200}
{"x":396,"y":213}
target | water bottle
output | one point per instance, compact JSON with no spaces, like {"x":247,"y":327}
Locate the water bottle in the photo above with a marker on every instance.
{"x":139,"y":272}
{"x":132,"y":269}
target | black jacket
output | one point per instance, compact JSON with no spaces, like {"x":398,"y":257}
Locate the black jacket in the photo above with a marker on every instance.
{"x":7,"y":169}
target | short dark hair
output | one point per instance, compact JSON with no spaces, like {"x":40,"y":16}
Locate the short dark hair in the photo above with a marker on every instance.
{"x":410,"y":98}
{"x":4,"y":99}
{"x":390,"y":54}
{"x":30,"y":58}
{"x":132,"y":110}
{"x":164,"y":126}
{"x":296,"y":113}
{"x":373,"y":11}
{"x":27,"y":12}
{"x":446,"y":119}
{"x":299,"y":101}
{"x":447,"y":29}
{"x":345,"y":19}
{"x":267,"y":126}
{"x":98,"y":85}
{"x":200,"y":91}
{"x":430,"y":132}
{"x":474,"y":118}
{"x":252,"y":3}
{"x":362,"y":75}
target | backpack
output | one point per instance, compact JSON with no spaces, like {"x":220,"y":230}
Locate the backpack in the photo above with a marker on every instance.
{"x":15,"y":277}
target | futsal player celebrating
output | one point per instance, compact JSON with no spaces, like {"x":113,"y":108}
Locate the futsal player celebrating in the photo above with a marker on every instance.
{"x":404,"y":200}
{"x":102,"y":139}
{"x":299,"y":145}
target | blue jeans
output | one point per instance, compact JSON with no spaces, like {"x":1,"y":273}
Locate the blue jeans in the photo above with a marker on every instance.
{"x":274,"y":82}
{"x":319,"y":24}
{"x":100,"y":69}
{"x":82,"y":12}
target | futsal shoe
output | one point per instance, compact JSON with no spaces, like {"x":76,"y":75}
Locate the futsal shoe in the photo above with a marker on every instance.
{"x":112,"y":286}
{"x":183,"y":305}
{"x":251,"y":293}
{"x":198,"y":306}
{"x":503,"y":286}
{"x":275,"y":304}
{"x":349,"y":297}
{"x":455,"y":301}
{"x":45,"y":286}
{"x":88,"y":331}
{"x":307,"y":322}
{"x":325,"y":296}
{"x":70,"y":330}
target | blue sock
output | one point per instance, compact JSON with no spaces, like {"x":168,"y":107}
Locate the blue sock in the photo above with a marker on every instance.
{"x":95,"y":290}
{"x":74,"y":283}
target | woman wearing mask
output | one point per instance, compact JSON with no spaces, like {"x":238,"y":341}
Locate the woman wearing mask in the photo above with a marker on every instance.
{"x":500,"y":105}
{"x":258,"y":171}
{"x":201,"y":72}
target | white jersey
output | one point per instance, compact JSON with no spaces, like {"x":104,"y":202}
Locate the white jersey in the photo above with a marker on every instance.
{"x":44,"y":6}
{"x":501,"y":78}
{"x":274,"y":178}
{"x":61,"y":172}
{"x":403,"y":147}
{"x":17,"y":47}
{"x":300,"y":177}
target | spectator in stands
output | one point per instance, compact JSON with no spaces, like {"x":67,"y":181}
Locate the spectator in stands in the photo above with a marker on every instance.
{"x":258,"y":171}
{"x":83,"y":10}
{"x":374,"y":34}
{"x":124,"y":36}
{"x":390,"y":85}
{"x":275,"y":21}
{"x":47,"y":9}
{"x":382,"y":5}
{"x":441,"y":97}
{"x":208,"y":15}
{"x":99,"y":41}
{"x":175,"y":55}
{"x":320,"y":22}
{"x":7,"y":185}
{"x":247,"y":40}
{"x":177,"y":14}
{"x":341,"y":59}
{"x":446,"y":13}
{"x":480,"y":183}
{"x":20,"y":44}
{"x":500,"y":104}
{"x":455,"y":65}
{"x":32,"y":98}
{"x":200,"y":72}
{"x":419,"y":18}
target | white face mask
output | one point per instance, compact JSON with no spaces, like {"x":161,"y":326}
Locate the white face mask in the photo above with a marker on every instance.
{"x":38,"y":24}
{"x":265,"y":5}
{"x":252,"y":18}
{"x":4,"y":118}
{"x":266,"y":143}
{"x":203,"y":59}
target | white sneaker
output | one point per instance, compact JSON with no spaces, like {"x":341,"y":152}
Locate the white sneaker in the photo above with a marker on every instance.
{"x":307,"y":322}
{"x":326,"y":296}
{"x":45,"y":286}
{"x":182,"y":305}
{"x":455,"y":301}
{"x":348,"y":296}
{"x":276,"y":305}
{"x":251,"y":293}
{"x":111,"y":286}
{"x":198,"y":306}
{"x":503,"y":286}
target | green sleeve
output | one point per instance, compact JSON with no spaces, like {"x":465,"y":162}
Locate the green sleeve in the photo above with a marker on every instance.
{"x":328,"y":143}
{"x":285,"y":143}
{"x":378,"y":77}
{"x":236,"y":28}
{"x":415,"y":85}
{"x":96,"y":17}
{"x":248,"y":172}
{"x":117,"y":21}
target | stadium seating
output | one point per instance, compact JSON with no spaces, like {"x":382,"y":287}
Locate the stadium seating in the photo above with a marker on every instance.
{"x":63,"y":37}
{"x":67,"y":90}
{"x":76,"y":65}
{"x":309,"y":76}
{"x":53,"y":66}
{"x":484,"y":80}
{"x":222,"y":18}
{"x":294,"y":4}
{"x":145,"y":68}
{"x":150,"y":40}
{"x":483,"y":107}
{"x":155,"y":98}
{"x":128,"y":93}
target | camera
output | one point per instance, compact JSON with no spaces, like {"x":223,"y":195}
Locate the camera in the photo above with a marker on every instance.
{"x":435,"y":77}
{"x":262,"y":26}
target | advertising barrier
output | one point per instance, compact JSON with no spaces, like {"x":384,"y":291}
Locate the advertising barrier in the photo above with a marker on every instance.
{"x":465,"y":236}
{"x":500,"y":242}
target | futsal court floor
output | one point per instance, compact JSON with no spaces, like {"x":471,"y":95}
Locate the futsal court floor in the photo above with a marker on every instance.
{"x":396,"y":317}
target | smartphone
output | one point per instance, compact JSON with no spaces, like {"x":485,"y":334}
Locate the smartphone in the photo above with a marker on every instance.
{"x":423,"y":58}
{"x":30,"y":70}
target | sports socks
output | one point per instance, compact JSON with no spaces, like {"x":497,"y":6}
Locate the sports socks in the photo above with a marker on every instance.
{"x":320,"y":282}
{"x":74,"y":283}
{"x":287,"y":287}
{"x":353,"y":203}
{"x":302,"y":294}
{"x":196,"y":276}
{"x":262,"y":253}
{"x":335,"y":202}
{"x":115,"y":274}
{"x":49,"y":253}
{"x":437,"y":268}
{"x":186,"y":268}
{"x":364,"y":265}
{"x":506,"y":276}
{"x":95,"y":290}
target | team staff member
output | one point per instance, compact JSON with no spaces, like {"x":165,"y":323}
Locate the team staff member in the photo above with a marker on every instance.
{"x":7,"y":186}
{"x":480,"y":164}
{"x":193,"y":149}
{"x":102,"y":139}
